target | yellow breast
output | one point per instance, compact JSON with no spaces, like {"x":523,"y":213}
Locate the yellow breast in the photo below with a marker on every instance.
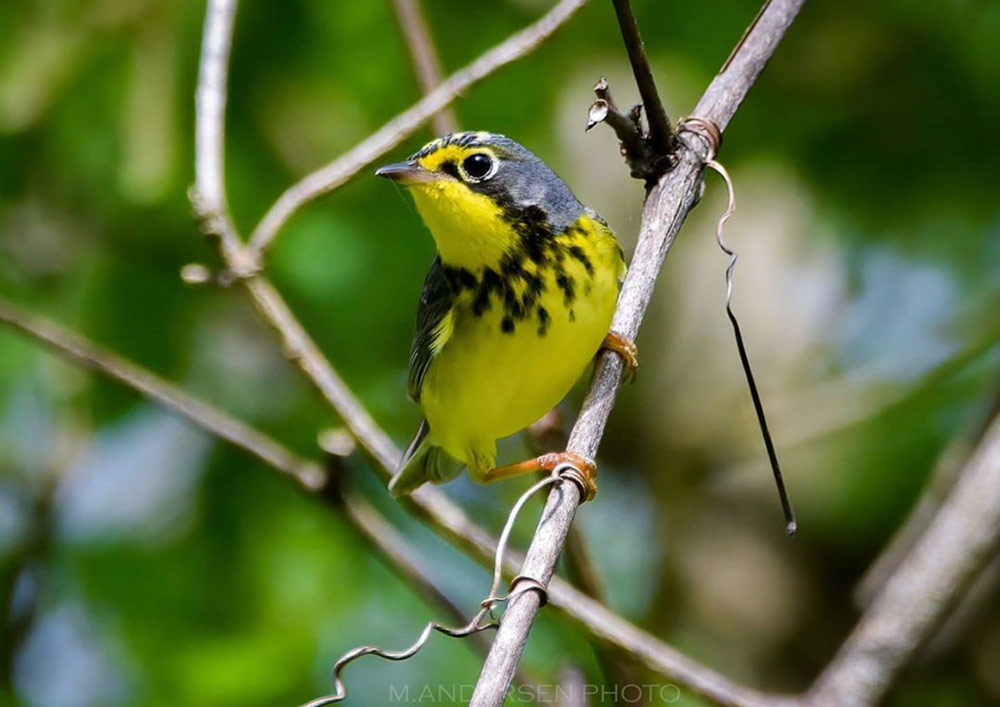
{"x":518,"y":337}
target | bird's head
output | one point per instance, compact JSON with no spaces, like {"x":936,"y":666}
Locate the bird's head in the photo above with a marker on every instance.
{"x":481,"y":194}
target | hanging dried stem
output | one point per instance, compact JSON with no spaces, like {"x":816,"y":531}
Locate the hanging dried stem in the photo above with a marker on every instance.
{"x":481,"y":621}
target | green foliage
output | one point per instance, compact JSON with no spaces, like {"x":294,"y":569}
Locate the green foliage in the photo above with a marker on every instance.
{"x":171,"y":570}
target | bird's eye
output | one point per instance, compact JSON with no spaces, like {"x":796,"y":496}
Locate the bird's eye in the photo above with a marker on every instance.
{"x":478,"y":166}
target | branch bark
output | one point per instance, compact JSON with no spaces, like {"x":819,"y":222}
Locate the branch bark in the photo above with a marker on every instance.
{"x":666,"y":207}
{"x":963,"y":536}
{"x":550,"y":434}
{"x":424,"y":57}
{"x":327,"y":178}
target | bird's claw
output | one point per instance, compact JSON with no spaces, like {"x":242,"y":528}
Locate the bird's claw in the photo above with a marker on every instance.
{"x":627,"y":350}
{"x":586,"y":476}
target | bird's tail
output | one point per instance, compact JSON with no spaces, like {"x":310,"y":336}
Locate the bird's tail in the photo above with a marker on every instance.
{"x":422,"y":462}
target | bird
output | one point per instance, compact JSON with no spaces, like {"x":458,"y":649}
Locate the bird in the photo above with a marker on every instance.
{"x":518,"y":300}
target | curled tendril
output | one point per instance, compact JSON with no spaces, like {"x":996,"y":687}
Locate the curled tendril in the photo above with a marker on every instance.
{"x":483,"y":619}
{"x":710,"y":133}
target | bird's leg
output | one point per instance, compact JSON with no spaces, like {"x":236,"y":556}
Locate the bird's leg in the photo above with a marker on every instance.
{"x":627,"y":350}
{"x":548,"y":462}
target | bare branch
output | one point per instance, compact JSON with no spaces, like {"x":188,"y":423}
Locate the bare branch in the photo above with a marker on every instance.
{"x":209,"y":193}
{"x":661,"y":135}
{"x":426,"y":64}
{"x":327,"y":178}
{"x":299,"y":348}
{"x":667,"y":205}
{"x":210,"y":101}
{"x":919,"y":595}
{"x":550,"y":434}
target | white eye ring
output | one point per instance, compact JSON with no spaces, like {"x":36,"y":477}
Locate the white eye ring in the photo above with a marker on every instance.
{"x":491,"y":170}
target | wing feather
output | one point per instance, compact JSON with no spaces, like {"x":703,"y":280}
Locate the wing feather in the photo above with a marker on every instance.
{"x":433,"y":326}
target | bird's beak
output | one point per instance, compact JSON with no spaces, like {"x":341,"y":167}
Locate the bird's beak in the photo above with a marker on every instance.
{"x":405,"y":173}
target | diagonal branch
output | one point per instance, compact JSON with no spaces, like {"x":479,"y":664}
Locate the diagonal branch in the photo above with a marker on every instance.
{"x":666,"y":208}
{"x":423,"y":56}
{"x":550,"y":434}
{"x":963,"y":536}
{"x":327,"y":178}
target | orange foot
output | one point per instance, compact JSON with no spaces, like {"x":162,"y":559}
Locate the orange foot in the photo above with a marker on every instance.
{"x":586,"y":479}
{"x":627,"y":350}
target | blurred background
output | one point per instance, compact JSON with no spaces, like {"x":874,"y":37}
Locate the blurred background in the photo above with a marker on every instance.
{"x":144,"y":563}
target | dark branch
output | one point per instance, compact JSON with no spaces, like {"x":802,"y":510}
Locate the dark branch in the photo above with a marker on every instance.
{"x":661,"y":135}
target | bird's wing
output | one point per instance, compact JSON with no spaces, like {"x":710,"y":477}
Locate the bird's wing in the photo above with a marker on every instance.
{"x":434,"y":326}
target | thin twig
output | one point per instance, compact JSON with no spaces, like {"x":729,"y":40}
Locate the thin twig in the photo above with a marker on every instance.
{"x":209,"y":194}
{"x":920,"y":594}
{"x":667,"y":205}
{"x":424,"y":57}
{"x":661,"y":135}
{"x":405,"y":124}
